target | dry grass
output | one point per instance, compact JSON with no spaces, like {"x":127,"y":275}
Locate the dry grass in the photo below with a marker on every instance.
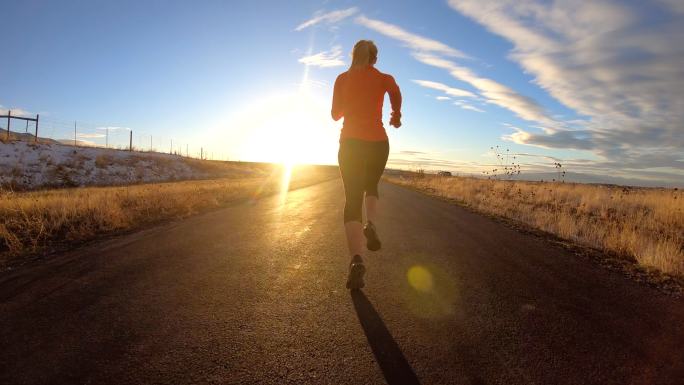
{"x":644,"y":224}
{"x":35,"y":222}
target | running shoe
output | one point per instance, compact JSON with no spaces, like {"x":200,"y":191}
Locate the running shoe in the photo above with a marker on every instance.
{"x":356,"y":272}
{"x":372,"y":240}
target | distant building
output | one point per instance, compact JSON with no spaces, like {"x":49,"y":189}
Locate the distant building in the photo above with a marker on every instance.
{"x":444,"y":173}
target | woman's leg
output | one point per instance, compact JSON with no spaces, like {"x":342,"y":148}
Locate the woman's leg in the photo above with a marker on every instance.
{"x":355,"y":237}
{"x":351,"y":161}
{"x":375,"y":166}
{"x":371,"y":204}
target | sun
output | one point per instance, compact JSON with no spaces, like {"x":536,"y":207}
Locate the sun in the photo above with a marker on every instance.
{"x":291,"y":129}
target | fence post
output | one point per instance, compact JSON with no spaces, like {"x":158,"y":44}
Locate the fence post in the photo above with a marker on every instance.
{"x":130,"y":140}
{"x":9,"y":114}
{"x":171,"y":150}
{"x":26,"y":129}
{"x":201,"y":153}
{"x":37,"y":118}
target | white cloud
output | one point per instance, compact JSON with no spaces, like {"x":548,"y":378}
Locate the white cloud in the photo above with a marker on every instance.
{"x":614,"y":63}
{"x":330,"y":17}
{"x":113,"y":128}
{"x":455,"y":92}
{"x":331,"y":58}
{"x":492,"y":91}
{"x":471,"y":108}
{"x":466,"y":106}
{"x":313,"y":83}
{"x":90,"y":136}
{"x":413,"y":41}
{"x":452,"y":91}
{"x":15,"y":111}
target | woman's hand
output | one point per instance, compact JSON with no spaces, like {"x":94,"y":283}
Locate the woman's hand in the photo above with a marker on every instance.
{"x":395,"y":120}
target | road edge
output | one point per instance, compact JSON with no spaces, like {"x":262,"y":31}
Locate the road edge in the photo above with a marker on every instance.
{"x":666,"y":283}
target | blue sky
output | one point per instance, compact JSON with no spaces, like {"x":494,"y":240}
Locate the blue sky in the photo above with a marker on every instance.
{"x":597,"y":86}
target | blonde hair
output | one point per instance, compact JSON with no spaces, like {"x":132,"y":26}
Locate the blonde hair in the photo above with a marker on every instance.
{"x":364,"y":53}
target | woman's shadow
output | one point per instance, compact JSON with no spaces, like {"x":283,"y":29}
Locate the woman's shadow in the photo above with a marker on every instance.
{"x":393,"y":364}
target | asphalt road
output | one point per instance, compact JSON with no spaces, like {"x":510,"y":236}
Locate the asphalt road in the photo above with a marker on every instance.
{"x":254,"y":294}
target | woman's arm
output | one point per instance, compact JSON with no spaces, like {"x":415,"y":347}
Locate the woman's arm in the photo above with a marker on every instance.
{"x":337,"y":110}
{"x":395,"y":101}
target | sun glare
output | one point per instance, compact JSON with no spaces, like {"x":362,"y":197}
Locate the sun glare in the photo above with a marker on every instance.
{"x":287,"y":128}
{"x":290,"y":129}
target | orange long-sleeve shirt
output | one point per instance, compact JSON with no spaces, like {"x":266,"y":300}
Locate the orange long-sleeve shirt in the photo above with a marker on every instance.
{"x":358,"y":97}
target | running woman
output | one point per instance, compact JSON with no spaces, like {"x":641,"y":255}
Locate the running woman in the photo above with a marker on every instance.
{"x":358,"y":97}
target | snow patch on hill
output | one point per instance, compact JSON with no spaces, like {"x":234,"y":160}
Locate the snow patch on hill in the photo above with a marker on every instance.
{"x":26,"y":166}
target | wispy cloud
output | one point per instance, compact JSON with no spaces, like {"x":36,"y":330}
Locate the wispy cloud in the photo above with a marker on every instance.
{"x":15,"y":111}
{"x":113,"y":128}
{"x":331,"y":58}
{"x":329,"y":17}
{"x":538,"y":156}
{"x":492,"y":91}
{"x":466,"y":106}
{"x":313,"y":83}
{"x":90,"y":136}
{"x":413,"y":41}
{"x":471,"y":108}
{"x":457,"y":92}
{"x":431,"y":164}
{"x":81,"y":143}
{"x":611,"y":63}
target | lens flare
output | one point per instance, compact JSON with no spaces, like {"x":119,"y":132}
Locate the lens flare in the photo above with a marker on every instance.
{"x":431,"y":292}
{"x":420,"y":278}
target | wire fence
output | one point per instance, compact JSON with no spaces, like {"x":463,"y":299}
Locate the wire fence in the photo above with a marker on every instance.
{"x":87,"y":135}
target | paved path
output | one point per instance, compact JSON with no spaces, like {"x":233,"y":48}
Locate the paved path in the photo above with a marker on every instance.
{"x":254,"y":294}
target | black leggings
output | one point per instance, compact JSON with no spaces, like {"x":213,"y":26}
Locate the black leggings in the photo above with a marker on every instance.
{"x":361,"y":165}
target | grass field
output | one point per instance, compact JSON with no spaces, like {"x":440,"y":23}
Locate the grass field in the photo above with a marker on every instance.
{"x":643,"y":224}
{"x":36,"y":222}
